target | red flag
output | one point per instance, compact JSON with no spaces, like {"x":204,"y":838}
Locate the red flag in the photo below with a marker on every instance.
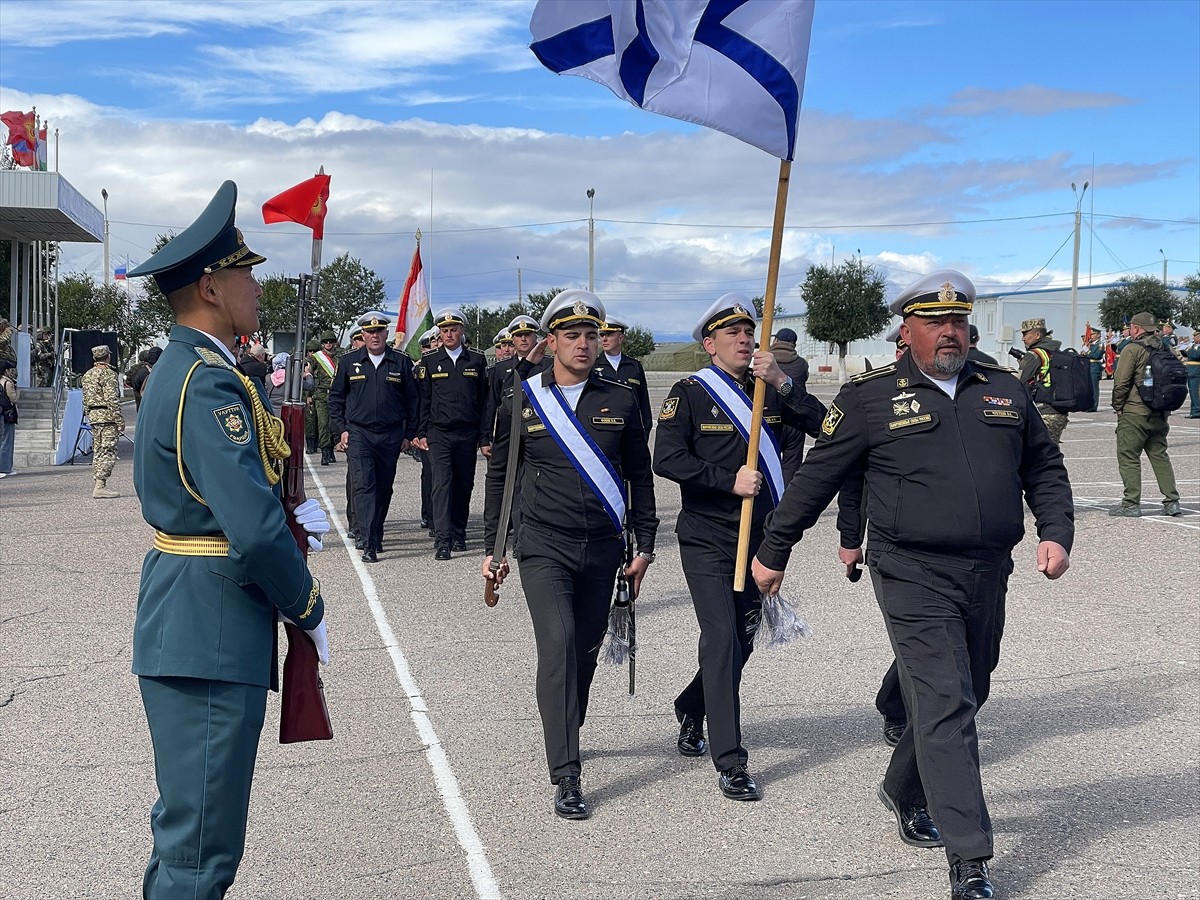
{"x":22,"y":136}
{"x":304,"y":203}
{"x":1089,"y":333}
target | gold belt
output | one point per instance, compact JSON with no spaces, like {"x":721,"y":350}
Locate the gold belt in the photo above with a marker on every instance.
{"x":184,"y":545}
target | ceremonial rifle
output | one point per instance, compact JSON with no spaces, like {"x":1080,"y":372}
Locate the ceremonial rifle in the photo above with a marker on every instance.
{"x":491,"y":592}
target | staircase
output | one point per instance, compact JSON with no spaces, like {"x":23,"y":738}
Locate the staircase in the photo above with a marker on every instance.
{"x":33,"y":443}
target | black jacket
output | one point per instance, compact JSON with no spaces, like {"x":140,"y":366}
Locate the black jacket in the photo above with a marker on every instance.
{"x":453,"y":394}
{"x":631,"y":374}
{"x":380,"y":399}
{"x":943,"y":476}
{"x":555,"y":500}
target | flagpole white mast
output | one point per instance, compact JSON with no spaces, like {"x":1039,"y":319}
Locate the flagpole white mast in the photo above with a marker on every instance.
{"x":425,"y":259}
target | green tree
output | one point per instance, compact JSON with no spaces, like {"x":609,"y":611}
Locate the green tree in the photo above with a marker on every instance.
{"x":347,"y":289}
{"x":152,"y":303}
{"x":1189,"y":307}
{"x":1141,"y":293}
{"x":82,"y":303}
{"x":760,"y":302}
{"x":277,"y":307}
{"x":536,"y":302}
{"x":483,"y":322}
{"x":845,"y":303}
{"x":639,"y":342}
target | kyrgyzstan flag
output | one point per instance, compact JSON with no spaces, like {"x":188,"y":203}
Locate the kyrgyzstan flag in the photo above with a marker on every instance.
{"x":22,"y":136}
{"x":304,"y":203}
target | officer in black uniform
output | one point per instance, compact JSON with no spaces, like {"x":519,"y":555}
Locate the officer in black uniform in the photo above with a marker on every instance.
{"x":616,"y":365}
{"x":427,"y":347}
{"x":571,"y":546}
{"x":949,"y":446}
{"x":506,"y":352}
{"x":357,"y":342}
{"x":453,"y":387}
{"x":701,"y":446}
{"x":373,"y":410}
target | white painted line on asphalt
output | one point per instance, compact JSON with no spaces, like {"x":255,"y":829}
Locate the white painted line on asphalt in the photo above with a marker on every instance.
{"x":486,"y":887}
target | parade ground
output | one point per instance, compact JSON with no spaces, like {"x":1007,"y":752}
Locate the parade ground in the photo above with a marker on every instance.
{"x":435,"y":784}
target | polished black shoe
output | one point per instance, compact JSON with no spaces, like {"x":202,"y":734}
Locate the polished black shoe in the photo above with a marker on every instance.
{"x":691,"y":737}
{"x":893,"y":730}
{"x":459,"y":546}
{"x":425,"y":523}
{"x":568,"y":800}
{"x":738,"y":784}
{"x":360,"y":543}
{"x":442,"y":553}
{"x":369,"y":555}
{"x":969,"y":880}
{"x":913,"y":823}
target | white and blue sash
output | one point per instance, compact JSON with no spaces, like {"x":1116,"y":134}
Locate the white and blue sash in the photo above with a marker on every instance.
{"x":587,"y":458}
{"x":737,"y":405}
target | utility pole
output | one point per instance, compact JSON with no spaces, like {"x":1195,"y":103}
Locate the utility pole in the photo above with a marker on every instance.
{"x":107,"y":267}
{"x":1164,"y":256}
{"x":520,"y":296}
{"x":591,"y":195}
{"x":1075,"y":264}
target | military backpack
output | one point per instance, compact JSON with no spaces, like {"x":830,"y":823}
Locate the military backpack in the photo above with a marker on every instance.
{"x":1064,"y":381}
{"x":1163,"y":386}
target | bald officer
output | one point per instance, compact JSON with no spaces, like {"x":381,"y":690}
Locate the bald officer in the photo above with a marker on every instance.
{"x":453,"y":385}
{"x":949,"y":447}
{"x":614,"y":364}
{"x":224,"y":564}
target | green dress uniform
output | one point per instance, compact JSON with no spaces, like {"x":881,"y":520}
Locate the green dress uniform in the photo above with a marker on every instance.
{"x":223,"y":567}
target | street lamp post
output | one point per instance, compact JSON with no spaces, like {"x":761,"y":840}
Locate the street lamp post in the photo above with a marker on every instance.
{"x":107,"y":268}
{"x":520,"y":295}
{"x":1164,"y":256}
{"x":1075,"y":264}
{"x":591,"y":195}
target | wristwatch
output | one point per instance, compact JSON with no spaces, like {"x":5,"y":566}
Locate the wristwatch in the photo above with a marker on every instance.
{"x":648,"y":557}
{"x":785,"y":389}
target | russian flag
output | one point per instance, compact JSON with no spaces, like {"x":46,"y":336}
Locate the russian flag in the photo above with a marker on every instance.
{"x":119,"y":273}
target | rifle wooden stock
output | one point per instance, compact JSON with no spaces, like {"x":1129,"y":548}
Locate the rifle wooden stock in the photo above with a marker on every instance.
{"x":491,"y":593}
{"x":303,"y":715}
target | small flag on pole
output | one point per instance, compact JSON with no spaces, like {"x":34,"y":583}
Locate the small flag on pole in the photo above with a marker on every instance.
{"x":22,"y":136}
{"x":304,"y":203}
{"x":415,"y":317}
{"x":734,"y":65}
{"x":120,"y":273}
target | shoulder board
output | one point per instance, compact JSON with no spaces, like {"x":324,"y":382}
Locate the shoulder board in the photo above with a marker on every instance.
{"x":612,"y":382}
{"x":688,"y":380}
{"x":994,"y":368}
{"x":212,"y":358}
{"x":889,"y":369}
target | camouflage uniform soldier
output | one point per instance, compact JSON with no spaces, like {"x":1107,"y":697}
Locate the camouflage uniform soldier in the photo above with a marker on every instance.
{"x":324,"y":367}
{"x":104,"y":412}
{"x":8,"y":340}
{"x":43,"y":359}
{"x":1035,"y":365}
{"x":310,"y":415}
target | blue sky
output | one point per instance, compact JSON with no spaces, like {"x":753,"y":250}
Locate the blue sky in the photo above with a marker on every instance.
{"x":932,"y":134}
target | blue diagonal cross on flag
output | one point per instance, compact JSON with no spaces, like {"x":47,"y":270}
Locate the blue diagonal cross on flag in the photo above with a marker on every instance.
{"x":734,"y":65}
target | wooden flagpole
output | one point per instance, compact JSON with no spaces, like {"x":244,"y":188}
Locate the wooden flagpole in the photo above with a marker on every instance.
{"x":760,"y":386}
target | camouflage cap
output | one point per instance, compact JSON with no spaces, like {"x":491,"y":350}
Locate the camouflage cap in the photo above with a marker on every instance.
{"x":100,"y":351}
{"x":1033,"y":325}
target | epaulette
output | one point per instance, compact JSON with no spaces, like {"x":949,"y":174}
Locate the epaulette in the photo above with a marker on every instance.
{"x":889,"y":369}
{"x":212,"y":358}
{"x":688,"y":380}
{"x":612,"y":381}
{"x":995,"y":368}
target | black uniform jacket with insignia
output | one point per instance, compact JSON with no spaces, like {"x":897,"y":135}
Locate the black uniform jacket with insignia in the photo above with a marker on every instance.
{"x":631,"y":373}
{"x":699,"y":447}
{"x":382,"y":398}
{"x":453,"y":394}
{"x":500,"y":381}
{"x":944,"y":476}
{"x":199,"y":473}
{"x":555,"y":499}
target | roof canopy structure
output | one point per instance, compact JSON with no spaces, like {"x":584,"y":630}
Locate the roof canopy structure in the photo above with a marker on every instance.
{"x":43,"y":206}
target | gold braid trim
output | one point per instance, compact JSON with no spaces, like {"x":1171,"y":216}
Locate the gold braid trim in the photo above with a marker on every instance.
{"x":272,"y":447}
{"x":179,"y":433}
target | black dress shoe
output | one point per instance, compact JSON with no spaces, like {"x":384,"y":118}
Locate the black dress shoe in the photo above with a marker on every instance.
{"x":459,"y":546}
{"x":369,"y":555}
{"x":425,"y":523}
{"x":738,"y":784}
{"x":360,"y":543}
{"x":913,"y":823}
{"x":442,"y":553}
{"x":691,"y":737}
{"x":893,"y":730}
{"x":969,"y":880}
{"x":568,"y":800}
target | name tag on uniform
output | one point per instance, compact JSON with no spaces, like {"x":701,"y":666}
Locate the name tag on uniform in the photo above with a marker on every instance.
{"x":471,"y":373}
{"x":634,"y":380}
{"x":440,"y":375}
{"x":715,"y":426}
{"x":358,"y":377}
{"x":910,"y":421}
{"x":532,"y":429}
{"x":607,"y":420}
{"x":395,"y":378}
{"x":1000,"y":414}
{"x":773,"y":420}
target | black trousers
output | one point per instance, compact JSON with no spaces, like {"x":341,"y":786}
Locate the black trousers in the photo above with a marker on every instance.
{"x":727,"y":621}
{"x":426,"y":486}
{"x":945,"y":618}
{"x":568,"y":587}
{"x":372,"y":456}
{"x":452,"y":459}
{"x":351,"y":513}
{"x":890,"y":700}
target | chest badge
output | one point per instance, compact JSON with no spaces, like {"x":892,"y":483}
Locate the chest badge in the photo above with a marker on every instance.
{"x":527,"y":412}
{"x":715,"y":411}
{"x":916,"y":406}
{"x":901,"y":382}
{"x":997,"y":401}
{"x":901,"y":409}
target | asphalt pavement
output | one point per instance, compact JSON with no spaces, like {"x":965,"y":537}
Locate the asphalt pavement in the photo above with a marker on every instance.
{"x":435,"y":784}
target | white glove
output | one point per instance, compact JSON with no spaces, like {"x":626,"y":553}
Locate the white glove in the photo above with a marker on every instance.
{"x":320,"y":637}
{"x":313,"y":519}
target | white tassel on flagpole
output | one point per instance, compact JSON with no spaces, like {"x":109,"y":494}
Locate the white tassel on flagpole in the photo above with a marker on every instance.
{"x":779,"y":624}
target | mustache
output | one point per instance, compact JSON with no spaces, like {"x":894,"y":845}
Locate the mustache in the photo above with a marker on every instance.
{"x":949,"y":342}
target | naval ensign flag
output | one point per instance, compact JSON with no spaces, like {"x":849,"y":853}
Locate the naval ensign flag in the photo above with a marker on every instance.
{"x":733,"y":65}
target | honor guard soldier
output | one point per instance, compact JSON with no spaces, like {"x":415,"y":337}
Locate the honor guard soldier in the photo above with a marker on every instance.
{"x":580,"y":442}
{"x":453,"y":386}
{"x":224,"y":565}
{"x":949,"y":447}
{"x":324,"y":362}
{"x":613,"y":364}
{"x":103,"y":410}
{"x":702,"y":441}
{"x":502,"y":343}
{"x":426,"y":343}
{"x":373,"y":410}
